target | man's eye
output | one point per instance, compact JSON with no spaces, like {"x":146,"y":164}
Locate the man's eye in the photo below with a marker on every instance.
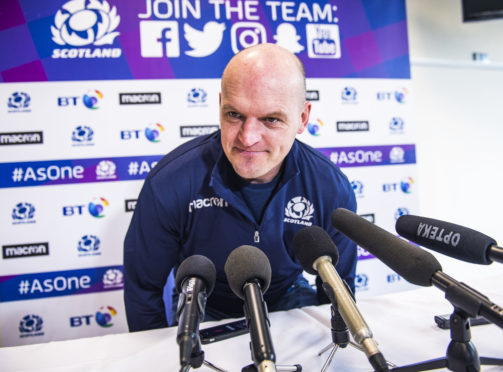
{"x":271,"y":120}
{"x":233,"y":115}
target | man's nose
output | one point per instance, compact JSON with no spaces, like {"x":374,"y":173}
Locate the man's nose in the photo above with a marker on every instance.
{"x":251,"y":132}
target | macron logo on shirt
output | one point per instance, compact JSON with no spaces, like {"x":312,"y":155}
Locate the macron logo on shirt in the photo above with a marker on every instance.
{"x":206,"y":203}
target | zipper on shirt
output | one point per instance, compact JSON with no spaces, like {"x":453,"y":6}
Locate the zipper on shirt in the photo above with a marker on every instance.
{"x":256,"y":237}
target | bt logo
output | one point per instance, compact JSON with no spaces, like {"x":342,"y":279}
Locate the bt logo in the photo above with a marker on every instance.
{"x":405,"y":186}
{"x":96,"y":208}
{"x":90,"y":99}
{"x":103,"y":318}
{"x":393,"y":278}
{"x":152,"y":133}
{"x":314,"y":128}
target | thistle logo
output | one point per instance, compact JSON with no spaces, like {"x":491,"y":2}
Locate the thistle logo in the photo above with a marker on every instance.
{"x":361,"y":282}
{"x":153,"y":131}
{"x":402,"y":211}
{"x":349,"y":95}
{"x":23,"y":213}
{"x":105,"y":315}
{"x":401,"y":95}
{"x":299,"y":211}
{"x":357,"y":188}
{"x":113,"y":278}
{"x":92,"y":98}
{"x":97,"y":207}
{"x":89,"y":244}
{"x":406,"y":185}
{"x":197,"y":97}
{"x":105,"y":170}
{"x":82,"y":23}
{"x":397,"y":155}
{"x":19,"y":102}
{"x":396,"y":125}
{"x":314,"y":128}
{"x":82,"y":135}
{"x":31,"y":325}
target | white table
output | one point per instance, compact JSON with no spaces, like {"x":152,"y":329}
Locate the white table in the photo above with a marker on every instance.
{"x":402,"y":324}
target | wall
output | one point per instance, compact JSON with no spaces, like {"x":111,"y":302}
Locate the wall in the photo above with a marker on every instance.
{"x":458,"y":116}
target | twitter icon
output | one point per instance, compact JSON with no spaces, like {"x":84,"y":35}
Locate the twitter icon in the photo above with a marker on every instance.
{"x":205,"y":42}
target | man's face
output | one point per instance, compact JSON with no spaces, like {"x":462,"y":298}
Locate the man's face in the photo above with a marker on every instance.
{"x":259,"y":118}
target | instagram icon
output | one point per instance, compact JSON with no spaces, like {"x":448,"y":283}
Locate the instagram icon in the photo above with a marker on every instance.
{"x":246,"y":34}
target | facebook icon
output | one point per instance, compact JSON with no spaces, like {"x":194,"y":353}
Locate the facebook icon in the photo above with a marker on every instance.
{"x":159,"y":39}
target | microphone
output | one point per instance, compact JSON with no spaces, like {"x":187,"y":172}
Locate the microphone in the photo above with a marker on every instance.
{"x":249,"y":274}
{"x":317,"y":253}
{"x":414,"y":264}
{"x":450,"y":239}
{"x":194,"y":281}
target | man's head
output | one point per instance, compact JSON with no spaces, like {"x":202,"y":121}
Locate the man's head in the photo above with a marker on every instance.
{"x":262,"y":108}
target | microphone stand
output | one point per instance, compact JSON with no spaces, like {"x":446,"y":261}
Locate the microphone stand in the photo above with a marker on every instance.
{"x":340,"y":338}
{"x":461,"y":353}
{"x":197,"y":360}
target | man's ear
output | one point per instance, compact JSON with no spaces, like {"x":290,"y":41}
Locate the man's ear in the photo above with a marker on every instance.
{"x":304,"y":117}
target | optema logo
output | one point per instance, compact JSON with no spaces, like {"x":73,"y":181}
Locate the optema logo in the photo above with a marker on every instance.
{"x":19,"y":102}
{"x":31,"y":325}
{"x":89,"y":245}
{"x":23,"y":213}
{"x":83,"y":23}
{"x":153,"y":131}
{"x":105,"y":315}
{"x":247,"y":34}
{"x":92,"y":98}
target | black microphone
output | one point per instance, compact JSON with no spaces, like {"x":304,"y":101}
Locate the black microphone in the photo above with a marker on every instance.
{"x":249,"y":274}
{"x":450,"y":239}
{"x":317,"y":253}
{"x":414,"y":264}
{"x":194,"y":280}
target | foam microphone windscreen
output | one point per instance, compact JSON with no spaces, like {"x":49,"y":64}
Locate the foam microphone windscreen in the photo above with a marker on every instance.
{"x":196,"y":266}
{"x":246,"y":263}
{"x":413,"y":263}
{"x":312,"y":242}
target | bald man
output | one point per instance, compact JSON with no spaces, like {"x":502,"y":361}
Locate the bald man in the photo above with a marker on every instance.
{"x":251,"y":183}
